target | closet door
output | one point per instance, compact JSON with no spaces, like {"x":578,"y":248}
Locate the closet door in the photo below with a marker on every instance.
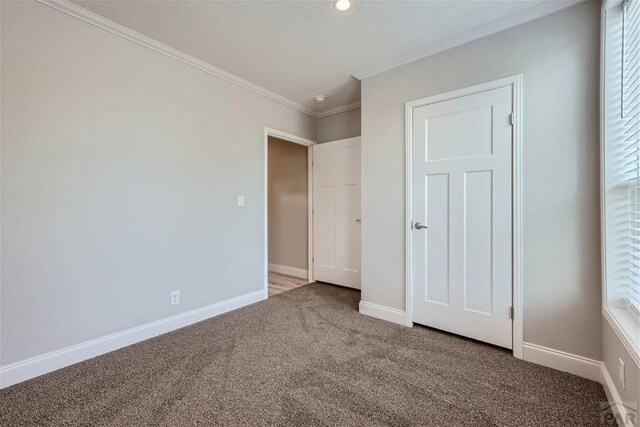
{"x":336,"y":212}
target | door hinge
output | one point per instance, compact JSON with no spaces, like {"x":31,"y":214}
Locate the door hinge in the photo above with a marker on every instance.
{"x":511,"y":312}
{"x":512,"y":119}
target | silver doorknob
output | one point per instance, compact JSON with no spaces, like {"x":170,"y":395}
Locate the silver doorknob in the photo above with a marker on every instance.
{"x":419,"y":226}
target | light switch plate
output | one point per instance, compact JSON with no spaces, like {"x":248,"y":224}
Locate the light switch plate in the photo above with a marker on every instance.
{"x":240,"y":201}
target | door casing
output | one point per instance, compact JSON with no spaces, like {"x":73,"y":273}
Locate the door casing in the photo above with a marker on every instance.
{"x":516,"y":83}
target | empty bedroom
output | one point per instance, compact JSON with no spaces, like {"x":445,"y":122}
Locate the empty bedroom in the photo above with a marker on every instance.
{"x":319,"y":213}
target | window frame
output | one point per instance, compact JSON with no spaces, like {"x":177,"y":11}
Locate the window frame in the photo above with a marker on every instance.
{"x":623,"y":320}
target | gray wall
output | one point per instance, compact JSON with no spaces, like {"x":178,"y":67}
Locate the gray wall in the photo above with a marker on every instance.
{"x":613,"y":349}
{"x":120,"y":171}
{"x":558,"y":56}
{"x":288,"y":204}
{"x":339,"y":126}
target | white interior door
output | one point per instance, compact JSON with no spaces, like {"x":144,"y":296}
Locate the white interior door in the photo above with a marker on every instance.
{"x":461,"y":191}
{"x":336,"y":212}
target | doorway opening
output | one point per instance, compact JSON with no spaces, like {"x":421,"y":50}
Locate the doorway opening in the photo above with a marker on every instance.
{"x":288,"y":212}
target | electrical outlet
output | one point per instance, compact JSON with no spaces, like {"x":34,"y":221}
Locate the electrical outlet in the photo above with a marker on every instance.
{"x":622,"y":374}
{"x":175,"y":297}
{"x":240,"y":201}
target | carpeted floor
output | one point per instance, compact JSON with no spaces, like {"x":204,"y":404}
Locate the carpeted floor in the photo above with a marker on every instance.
{"x":304,"y":357}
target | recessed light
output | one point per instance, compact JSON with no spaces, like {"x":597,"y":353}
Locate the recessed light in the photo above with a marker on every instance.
{"x":319,"y":98}
{"x":342,"y":5}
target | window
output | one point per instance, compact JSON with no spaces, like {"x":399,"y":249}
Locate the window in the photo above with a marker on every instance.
{"x":631,"y":123}
{"x":620,"y":114}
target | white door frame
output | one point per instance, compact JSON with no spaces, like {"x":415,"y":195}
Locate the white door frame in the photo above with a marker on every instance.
{"x":309,"y":144}
{"x":516,"y":83}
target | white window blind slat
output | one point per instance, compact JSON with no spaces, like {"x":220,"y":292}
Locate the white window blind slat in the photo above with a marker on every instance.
{"x":631,"y":168}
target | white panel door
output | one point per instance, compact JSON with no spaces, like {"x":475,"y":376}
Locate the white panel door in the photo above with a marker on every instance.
{"x":461,"y":192}
{"x":336,"y":212}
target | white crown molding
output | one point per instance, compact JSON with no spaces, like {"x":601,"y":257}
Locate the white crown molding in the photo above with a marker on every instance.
{"x":92,"y":18}
{"x":134,"y":36}
{"x":338,"y":110}
{"x":535,"y":12}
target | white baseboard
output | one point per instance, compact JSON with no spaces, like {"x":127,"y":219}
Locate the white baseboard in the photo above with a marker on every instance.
{"x":567,"y":362}
{"x":289,"y":271}
{"x":381,"y":312}
{"x":618,"y":407}
{"x":39,"y":365}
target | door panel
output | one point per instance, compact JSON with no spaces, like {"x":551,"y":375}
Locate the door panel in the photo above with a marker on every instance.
{"x":326,"y":215}
{"x":351,"y":226}
{"x":437,"y":246}
{"x":336,"y":188}
{"x":461,"y":189}
{"x":478,"y":230}
{"x":447,"y":135}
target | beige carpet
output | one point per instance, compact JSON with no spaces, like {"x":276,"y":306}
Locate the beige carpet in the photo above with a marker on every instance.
{"x":304,"y":357}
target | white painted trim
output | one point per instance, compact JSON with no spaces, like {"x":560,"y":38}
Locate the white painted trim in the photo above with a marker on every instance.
{"x":603,"y":133}
{"x":289,"y":271}
{"x":49,"y":362}
{"x":535,"y":12}
{"x":613,"y":397}
{"x":517,"y":198}
{"x":518,"y":304}
{"x":92,"y":18}
{"x":609,"y":92}
{"x":381,"y":312}
{"x":309,"y":144}
{"x":622,"y":328}
{"x":310,"y":268}
{"x":339,"y":110}
{"x":566,"y":362}
{"x":408,"y":197}
{"x":288,"y":137}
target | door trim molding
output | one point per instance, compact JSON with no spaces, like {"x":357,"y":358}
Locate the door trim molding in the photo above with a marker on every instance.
{"x":516,"y":83}
{"x":309,"y":144}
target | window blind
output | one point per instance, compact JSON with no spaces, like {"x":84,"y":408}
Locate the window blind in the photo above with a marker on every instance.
{"x":631,"y":121}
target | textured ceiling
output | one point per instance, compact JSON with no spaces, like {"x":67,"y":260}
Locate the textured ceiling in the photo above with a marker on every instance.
{"x":299,"y":49}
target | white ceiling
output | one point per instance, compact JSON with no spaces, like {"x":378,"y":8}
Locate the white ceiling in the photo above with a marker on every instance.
{"x":299,"y":49}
